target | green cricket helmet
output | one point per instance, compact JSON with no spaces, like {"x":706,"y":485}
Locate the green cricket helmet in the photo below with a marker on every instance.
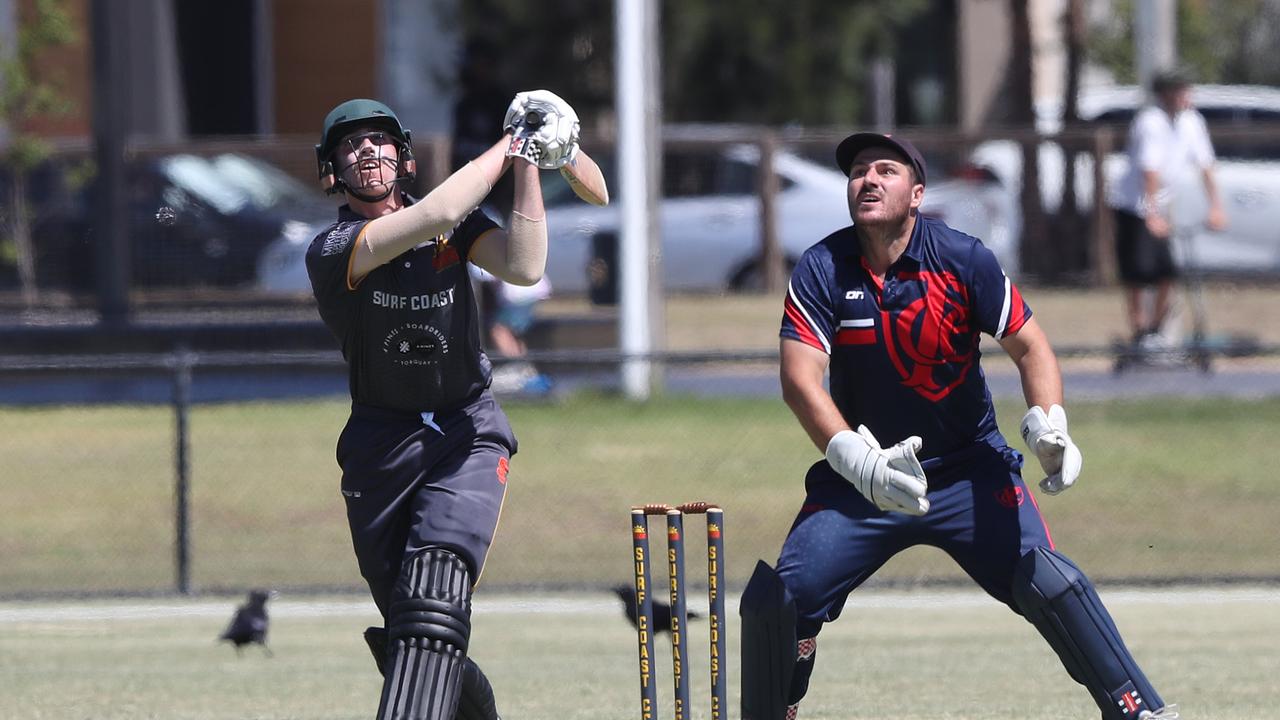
{"x":352,"y":115}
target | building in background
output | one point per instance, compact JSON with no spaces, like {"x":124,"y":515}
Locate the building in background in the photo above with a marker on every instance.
{"x":256,"y":67}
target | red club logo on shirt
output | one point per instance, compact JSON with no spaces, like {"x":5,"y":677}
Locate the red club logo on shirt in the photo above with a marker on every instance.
{"x":929,"y":341}
{"x":445,"y":256}
{"x":503,"y":467}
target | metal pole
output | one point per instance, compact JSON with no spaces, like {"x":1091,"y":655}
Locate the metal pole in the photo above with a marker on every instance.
{"x":182,"y":363}
{"x":110,"y":98}
{"x":633,"y":154}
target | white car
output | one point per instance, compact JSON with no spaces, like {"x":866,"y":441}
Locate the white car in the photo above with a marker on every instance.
{"x":709,"y":219}
{"x":1247,"y":174}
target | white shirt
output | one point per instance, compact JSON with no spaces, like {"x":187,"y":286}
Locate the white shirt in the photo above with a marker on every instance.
{"x":514,"y":294}
{"x":1176,"y":148}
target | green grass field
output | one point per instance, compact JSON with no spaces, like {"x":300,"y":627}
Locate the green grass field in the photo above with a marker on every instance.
{"x":1171,"y":488}
{"x":572,"y":656}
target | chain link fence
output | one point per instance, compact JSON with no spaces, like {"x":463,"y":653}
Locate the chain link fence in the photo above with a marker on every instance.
{"x":183,"y":476}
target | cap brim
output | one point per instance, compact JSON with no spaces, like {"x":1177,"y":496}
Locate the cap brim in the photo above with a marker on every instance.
{"x":849,"y":148}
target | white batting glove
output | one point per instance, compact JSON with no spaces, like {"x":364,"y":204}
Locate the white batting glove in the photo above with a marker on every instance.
{"x":544,"y":102}
{"x":515,"y":112}
{"x":891,"y":479}
{"x":550,"y":121}
{"x":1046,"y":436}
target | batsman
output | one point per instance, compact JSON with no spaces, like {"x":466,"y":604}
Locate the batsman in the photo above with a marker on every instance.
{"x":426,"y":451}
{"x":893,"y":308}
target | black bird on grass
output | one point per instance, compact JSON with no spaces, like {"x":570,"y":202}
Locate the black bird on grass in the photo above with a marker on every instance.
{"x":249,"y":624}
{"x":661,"y":610}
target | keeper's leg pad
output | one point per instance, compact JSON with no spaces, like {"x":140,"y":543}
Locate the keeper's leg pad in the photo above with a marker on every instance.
{"x":1057,"y":598}
{"x":428,"y":629}
{"x":768,"y":645}
{"x":476,"y":701}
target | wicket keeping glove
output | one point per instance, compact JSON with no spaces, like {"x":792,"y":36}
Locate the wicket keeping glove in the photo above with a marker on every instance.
{"x":1046,"y":435}
{"x":891,"y":479}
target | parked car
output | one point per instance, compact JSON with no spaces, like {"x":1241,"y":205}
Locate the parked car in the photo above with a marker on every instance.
{"x":709,"y":220}
{"x":710,"y":223}
{"x":191,"y":220}
{"x":1247,"y":174}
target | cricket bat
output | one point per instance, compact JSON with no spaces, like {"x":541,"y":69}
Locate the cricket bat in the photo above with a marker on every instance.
{"x":582,"y":173}
{"x":585,"y":179}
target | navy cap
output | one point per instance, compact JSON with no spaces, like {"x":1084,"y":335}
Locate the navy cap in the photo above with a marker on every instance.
{"x":849,"y":148}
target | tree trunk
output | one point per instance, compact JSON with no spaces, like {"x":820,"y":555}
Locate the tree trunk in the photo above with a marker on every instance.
{"x":22,"y":240}
{"x":1037,"y":251}
{"x":1070,"y":240}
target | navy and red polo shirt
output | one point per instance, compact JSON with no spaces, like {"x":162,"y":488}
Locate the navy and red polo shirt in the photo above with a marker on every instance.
{"x":904,"y":353}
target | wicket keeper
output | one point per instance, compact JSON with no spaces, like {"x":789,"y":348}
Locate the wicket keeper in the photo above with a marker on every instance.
{"x":893,"y":307}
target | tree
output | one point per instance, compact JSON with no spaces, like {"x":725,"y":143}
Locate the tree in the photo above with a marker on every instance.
{"x":777,"y":62}
{"x":754,"y":61}
{"x":24,"y":96}
{"x":1221,"y":42}
{"x":1037,"y":247}
{"x":1069,"y":230}
{"x":568,"y":51}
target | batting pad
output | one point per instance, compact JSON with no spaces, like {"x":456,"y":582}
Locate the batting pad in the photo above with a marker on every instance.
{"x":429,"y":627}
{"x":1056,"y":597}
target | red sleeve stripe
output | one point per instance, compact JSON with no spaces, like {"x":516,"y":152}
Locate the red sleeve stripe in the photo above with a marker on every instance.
{"x":856,"y":336}
{"x":805,"y":328}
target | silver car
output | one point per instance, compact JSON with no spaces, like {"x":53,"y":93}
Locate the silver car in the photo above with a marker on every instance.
{"x":1247,"y":174}
{"x":709,"y":220}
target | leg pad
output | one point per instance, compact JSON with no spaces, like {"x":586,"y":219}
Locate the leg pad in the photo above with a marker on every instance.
{"x":768,"y":646}
{"x":1056,"y":597}
{"x":428,"y":629}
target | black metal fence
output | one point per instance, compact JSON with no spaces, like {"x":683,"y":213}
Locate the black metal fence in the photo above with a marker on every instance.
{"x":204,"y":471}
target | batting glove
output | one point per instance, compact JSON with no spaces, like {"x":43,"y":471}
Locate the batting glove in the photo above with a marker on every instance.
{"x":524,"y":146}
{"x":544,"y":101}
{"x":515,"y":113}
{"x":891,"y":479}
{"x":1046,"y":436}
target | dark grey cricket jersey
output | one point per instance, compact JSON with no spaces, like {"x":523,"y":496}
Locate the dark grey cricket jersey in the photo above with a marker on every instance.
{"x":410,"y":330}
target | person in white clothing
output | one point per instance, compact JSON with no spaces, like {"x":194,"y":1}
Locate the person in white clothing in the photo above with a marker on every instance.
{"x":509,"y":313}
{"x":1168,"y":146}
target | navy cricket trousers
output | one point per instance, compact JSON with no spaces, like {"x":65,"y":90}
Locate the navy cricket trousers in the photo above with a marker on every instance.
{"x":981,"y":514}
